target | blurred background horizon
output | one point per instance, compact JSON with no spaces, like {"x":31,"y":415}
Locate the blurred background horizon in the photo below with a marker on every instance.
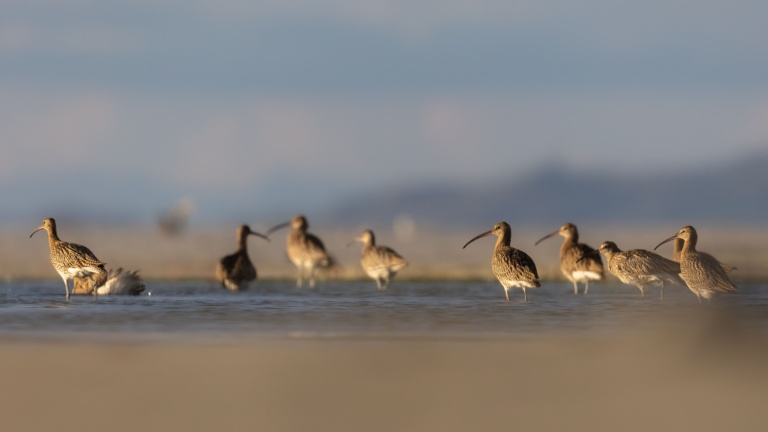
{"x":450,"y":113}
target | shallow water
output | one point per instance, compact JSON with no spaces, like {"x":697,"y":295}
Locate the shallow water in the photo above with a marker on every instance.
{"x":198,"y":309}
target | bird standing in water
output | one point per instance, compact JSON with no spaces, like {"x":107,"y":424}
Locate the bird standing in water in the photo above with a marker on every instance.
{"x":639,"y":267}
{"x":512,"y":267}
{"x":575,"y":267}
{"x":703,"y":274}
{"x":235,"y":271}
{"x":305,"y":250}
{"x":379,"y":262}
{"x":71,"y":260}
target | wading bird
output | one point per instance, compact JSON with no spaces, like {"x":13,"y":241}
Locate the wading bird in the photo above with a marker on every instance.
{"x":305,"y":250}
{"x":379,"y":262}
{"x":235,"y":271}
{"x":574,"y":268}
{"x":512,"y":267}
{"x":70,"y":260}
{"x":703,"y":274}
{"x":113,"y":282}
{"x":639,"y":267}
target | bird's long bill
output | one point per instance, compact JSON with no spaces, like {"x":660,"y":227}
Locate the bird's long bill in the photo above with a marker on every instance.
{"x":277,"y":227}
{"x":355,"y":240}
{"x":665,"y":241}
{"x":546,"y":237}
{"x":38,"y":229}
{"x":259,"y":235}
{"x":589,"y":254}
{"x":487,"y":233}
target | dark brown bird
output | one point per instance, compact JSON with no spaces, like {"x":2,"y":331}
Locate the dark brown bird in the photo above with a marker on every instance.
{"x":70,"y":260}
{"x":235,"y":271}
{"x":305,"y":250}
{"x":703,"y":274}
{"x":512,"y":267}
{"x":640,"y":267}
{"x":574,"y":268}
{"x":381,"y":263}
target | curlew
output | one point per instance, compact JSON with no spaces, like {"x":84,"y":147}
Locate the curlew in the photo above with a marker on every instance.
{"x":639,"y":267}
{"x":572,"y":265}
{"x":235,"y":271}
{"x":114,"y":282}
{"x":512,"y":267}
{"x":70,"y":260}
{"x":703,"y":274}
{"x":677,"y":249}
{"x":379,"y":262}
{"x":305,"y":250}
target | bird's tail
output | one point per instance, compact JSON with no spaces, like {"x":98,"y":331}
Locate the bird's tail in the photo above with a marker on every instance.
{"x":122,"y":282}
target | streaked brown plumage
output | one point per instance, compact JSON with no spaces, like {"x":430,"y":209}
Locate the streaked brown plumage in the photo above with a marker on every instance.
{"x":70,"y":259}
{"x":512,"y":267}
{"x":703,"y":274}
{"x":379,"y":262}
{"x":640,"y":267}
{"x":113,"y":282}
{"x":235,"y":271}
{"x":575,"y":267}
{"x":677,"y":249}
{"x":305,"y":250}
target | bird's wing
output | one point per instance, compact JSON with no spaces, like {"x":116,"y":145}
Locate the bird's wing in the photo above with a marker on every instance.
{"x":704,"y":272}
{"x":74,"y":255}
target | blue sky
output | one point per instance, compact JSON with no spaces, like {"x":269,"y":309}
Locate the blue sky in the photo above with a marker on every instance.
{"x":116,"y":109}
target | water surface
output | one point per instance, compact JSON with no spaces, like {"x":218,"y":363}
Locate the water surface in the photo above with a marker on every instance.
{"x":199,"y":309}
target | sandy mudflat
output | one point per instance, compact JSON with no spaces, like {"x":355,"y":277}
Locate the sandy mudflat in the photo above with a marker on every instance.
{"x":687,"y":381}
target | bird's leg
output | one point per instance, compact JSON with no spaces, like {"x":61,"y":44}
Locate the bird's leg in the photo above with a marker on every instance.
{"x":525,"y":296}
{"x":586,"y":287}
{"x":379,"y":284}
{"x":66,"y":287}
{"x":95,"y":287}
{"x":300,"y":277}
{"x":506,"y":291}
{"x":662,"y":291}
{"x":312,"y":277}
{"x":575,"y":288}
{"x":699,"y":297}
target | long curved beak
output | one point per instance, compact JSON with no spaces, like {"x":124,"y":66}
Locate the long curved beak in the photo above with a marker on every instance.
{"x":487,"y":233}
{"x":667,"y":240}
{"x":589,"y":254}
{"x":259,"y":235}
{"x":277,"y":227}
{"x":546,"y":237}
{"x":38,"y":229}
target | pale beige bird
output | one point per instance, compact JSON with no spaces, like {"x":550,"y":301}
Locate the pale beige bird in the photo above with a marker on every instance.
{"x":640,"y":267}
{"x":575,"y":265}
{"x":512,"y":267}
{"x":70,"y":260}
{"x":677,"y":250}
{"x":113,"y":282}
{"x":305,"y":250}
{"x":236,"y":271}
{"x":703,"y":274}
{"x":380,"y":263}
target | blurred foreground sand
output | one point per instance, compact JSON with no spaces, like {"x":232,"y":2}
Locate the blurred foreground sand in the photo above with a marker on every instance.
{"x":635,"y":382}
{"x":433,"y":254}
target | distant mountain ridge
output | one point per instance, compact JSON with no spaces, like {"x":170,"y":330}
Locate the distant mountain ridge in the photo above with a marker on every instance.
{"x":731,"y":194}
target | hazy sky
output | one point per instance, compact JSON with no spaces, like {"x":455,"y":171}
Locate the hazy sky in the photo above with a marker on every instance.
{"x":253,"y":108}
